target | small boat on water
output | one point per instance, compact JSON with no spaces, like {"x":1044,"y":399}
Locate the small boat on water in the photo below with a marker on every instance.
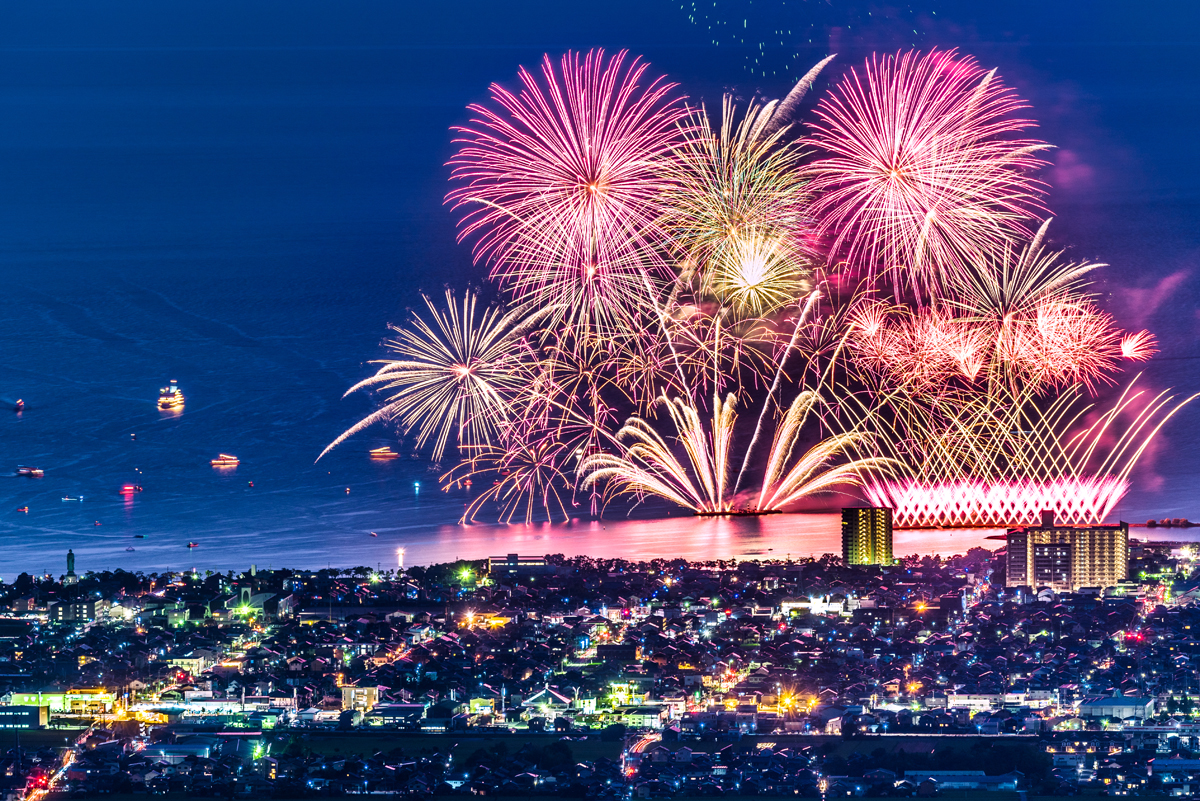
{"x":129,"y":549}
{"x":226,"y":460}
{"x":373,"y":534}
{"x":384,"y":453}
{"x":170,"y":397}
{"x":72,"y":498}
{"x":193,"y":545}
{"x":24,"y":509}
{"x":130,"y":489}
{"x":139,"y":536}
{"x":19,"y":406}
{"x":32,"y":472}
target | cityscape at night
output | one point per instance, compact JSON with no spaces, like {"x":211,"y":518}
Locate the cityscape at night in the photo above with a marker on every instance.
{"x":777,"y":398}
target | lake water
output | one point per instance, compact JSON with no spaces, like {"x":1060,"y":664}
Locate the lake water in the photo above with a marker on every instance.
{"x":243,"y":203}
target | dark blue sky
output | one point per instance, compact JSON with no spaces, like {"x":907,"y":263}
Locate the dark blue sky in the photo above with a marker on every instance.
{"x":1113,"y":84}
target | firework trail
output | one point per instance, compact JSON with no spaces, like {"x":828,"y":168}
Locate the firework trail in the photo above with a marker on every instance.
{"x":920,"y":169}
{"x":561,"y":182}
{"x":990,"y":460}
{"x":647,"y":463}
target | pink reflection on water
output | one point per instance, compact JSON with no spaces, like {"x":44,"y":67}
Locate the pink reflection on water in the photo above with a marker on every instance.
{"x":691,"y":538}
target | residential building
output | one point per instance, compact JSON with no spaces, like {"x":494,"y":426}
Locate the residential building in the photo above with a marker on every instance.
{"x":1067,"y":558}
{"x":867,"y":535}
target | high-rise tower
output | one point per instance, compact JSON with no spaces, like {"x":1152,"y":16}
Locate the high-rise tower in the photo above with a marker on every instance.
{"x":867,"y":535}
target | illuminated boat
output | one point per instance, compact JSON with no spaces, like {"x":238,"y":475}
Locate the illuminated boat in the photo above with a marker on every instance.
{"x":67,"y":498}
{"x":32,"y":472}
{"x":129,"y":489}
{"x":383,"y":453}
{"x":226,"y":460}
{"x":19,"y":405}
{"x":24,"y":509}
{"x":193,"y":545}
{"x":170,"y":397}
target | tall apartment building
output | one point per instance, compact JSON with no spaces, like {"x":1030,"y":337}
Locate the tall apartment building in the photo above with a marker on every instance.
{"x":1065,"y":558}
{"x":867,"y":535}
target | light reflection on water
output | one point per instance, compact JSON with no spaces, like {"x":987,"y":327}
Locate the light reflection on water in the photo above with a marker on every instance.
{"x":692,"y":538}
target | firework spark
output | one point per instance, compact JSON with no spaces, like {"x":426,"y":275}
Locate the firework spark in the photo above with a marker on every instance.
{"x":561,"y":182}
{"x":648,"y":464}
{"x":1075,"y":500}
{"x":736,"y":208}
{"x":921,"y":171}
{"x":453,"y":374}
{"x":992,"y":460}
{"x":1021,"y":318}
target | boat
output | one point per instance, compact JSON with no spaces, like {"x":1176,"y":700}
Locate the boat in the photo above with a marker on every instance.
{"x":384,"y":453}
{"x":139,"y":536}
{"x":72,"y":498}
{"x":170,"y":397}
{"x":24,"y":509}
{"x":129,"y":549}
{"x":19,"y":405}
{"x":193,"y":545}
{"x":373,"y":534}
{"x":129,"y":489}
{"x":32,"y":472}
{"x":98,"y":523}
{"x":226,"y":460}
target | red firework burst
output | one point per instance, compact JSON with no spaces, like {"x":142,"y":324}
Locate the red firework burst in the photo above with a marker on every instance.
{"x":1055,"y":343}
{"x":922,"y":172}
{"x":561,"y":181}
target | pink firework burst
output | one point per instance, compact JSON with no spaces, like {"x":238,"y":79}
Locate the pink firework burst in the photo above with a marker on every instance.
{"x":561,"y":181}
{"x":921,"y":170}
{"x":1138,"y":347}
{"x":922,"y":351}
{"x":1066,"y":342}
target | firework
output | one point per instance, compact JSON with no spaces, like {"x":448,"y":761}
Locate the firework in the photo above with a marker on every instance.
{"x":1138,"y":347}
{"x":452,"y":375}
{"x":921,"y":170}
{"x":811,"y":473}
{"x":561,"y":182}
{"x":1075,"y":500}
{"x":532,"y":475}
{"x":679,"y":263}
{"x":648,"y":463}
{"x":1018,"y":319}
{"x":994,"y":459}
{"x":735,"y":208}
